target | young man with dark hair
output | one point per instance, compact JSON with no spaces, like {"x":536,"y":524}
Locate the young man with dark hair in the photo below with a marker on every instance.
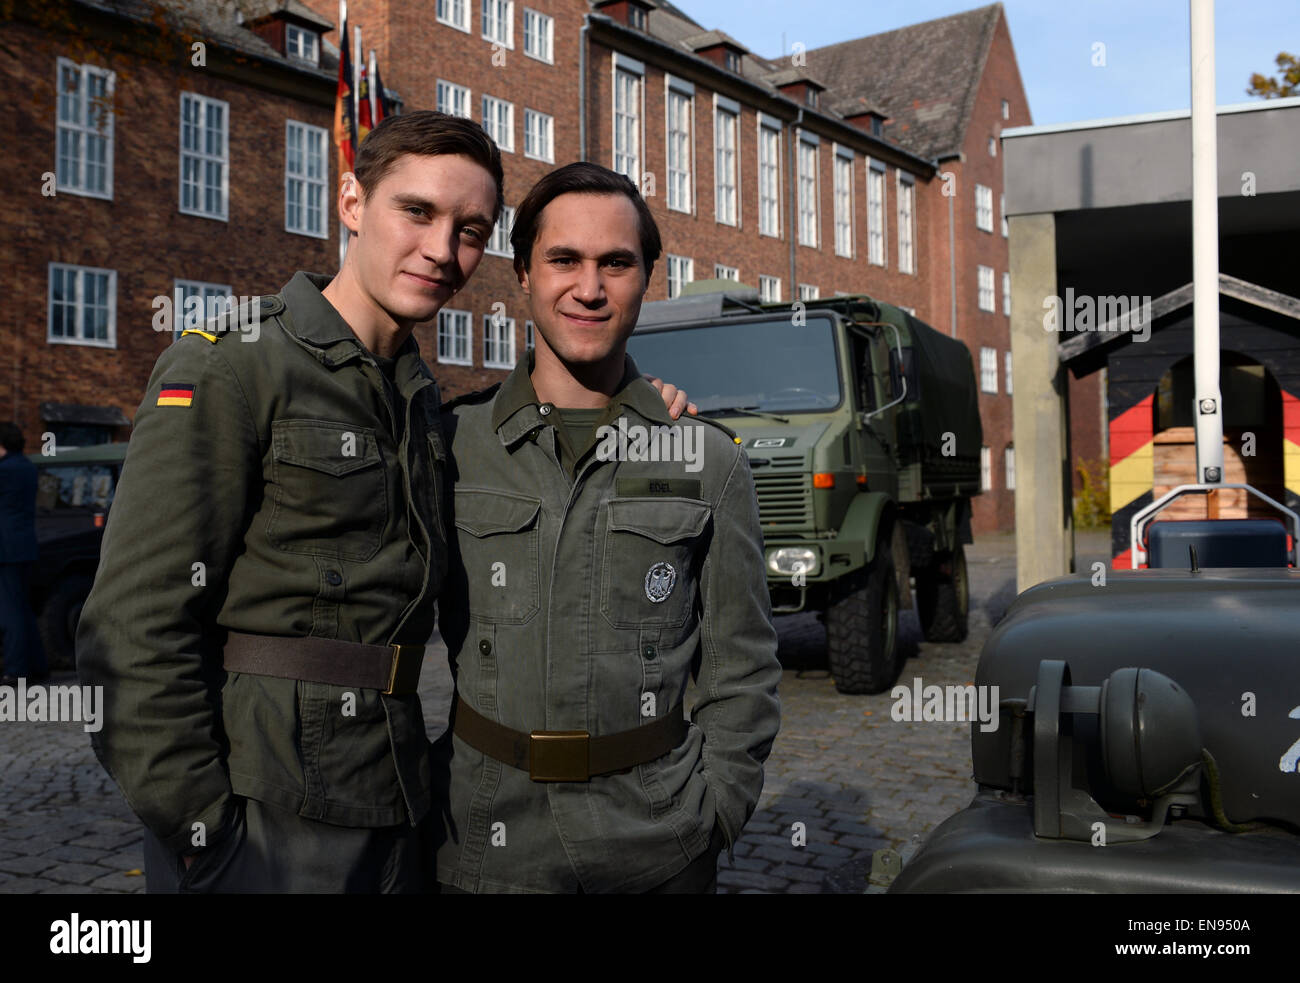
{"x":24,"y":656}
{"x":587,"y":583}
{"x":279,"y":514}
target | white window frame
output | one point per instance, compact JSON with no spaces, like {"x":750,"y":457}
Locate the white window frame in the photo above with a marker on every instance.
{"x":504,"y":339}
{"x":807,"y":182}
{"x":448,"y":322}
{"x":498,"y":243}
{"x":544,"y":52}
{"x":681,"y":271}
{"x":906,"y":192}
{"x":205,"y":159}
{"x":877,"y":214}
{"x":79,"y":306}
{"x":1006,"y":294}
{"x":983,"y":208}
{"x":304,"y":179}
{"x":502,"y":132}
{"x":206,"y":292}
{"x":448,"y":94}
{"x":1006,"y":109}
{"x":541,"y":128}
{"x":1009,"y":467}
{"x":986,"y":469}
{"x":530,"y":336}
{"x":82,"y":129}
{"x":842,"y":165}
{"x":446,"y":14}
{"x":1007,"y":363}
{"x":312,"y":53}
{"x":630,"y":164}
{"x":809,"y":291}
{"x":986,"y":298}
{"x":498,"y":22}
{"x":769,"y":289}
{"x":726,"y":165}
{"x":679,"y":146}
{"x":988,"y":370}
{"x":723,"y":272}
{"x":769,"y":128}
{"x":993,"y":146}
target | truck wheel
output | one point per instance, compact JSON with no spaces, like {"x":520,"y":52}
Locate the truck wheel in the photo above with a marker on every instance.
{"x":943,"y":599}
{"x":57,"y":622}
{"x":862,"y":628}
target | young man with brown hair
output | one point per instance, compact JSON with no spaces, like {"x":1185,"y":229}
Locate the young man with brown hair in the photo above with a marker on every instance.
{"x":587,"y":584}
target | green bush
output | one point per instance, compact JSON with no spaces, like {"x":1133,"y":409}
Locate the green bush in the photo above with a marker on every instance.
{"x":1092,"y":503}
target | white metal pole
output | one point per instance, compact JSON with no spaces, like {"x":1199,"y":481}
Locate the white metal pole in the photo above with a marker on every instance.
{"x":374,"y":93}
{"x":1208,"y":409}
{"x":343,"y":40}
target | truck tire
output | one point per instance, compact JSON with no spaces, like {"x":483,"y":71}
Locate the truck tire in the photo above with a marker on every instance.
{"x":862,"y":628}
{"x":943,"y":599}
{"x":57,"y":621}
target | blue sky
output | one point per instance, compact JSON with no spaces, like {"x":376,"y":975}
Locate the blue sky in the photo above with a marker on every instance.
{"x":1146,"y":43}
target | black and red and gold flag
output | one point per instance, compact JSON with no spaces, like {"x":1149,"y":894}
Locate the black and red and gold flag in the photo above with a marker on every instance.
{"x":345,"y":121}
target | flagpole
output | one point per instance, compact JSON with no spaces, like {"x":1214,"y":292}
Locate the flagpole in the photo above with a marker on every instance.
{"x":374,"y":95}
{"x":343,"y":229}
{"x":356,"y":83}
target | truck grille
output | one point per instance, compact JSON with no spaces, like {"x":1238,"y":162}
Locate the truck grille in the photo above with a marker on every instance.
{"x":784,"y":501}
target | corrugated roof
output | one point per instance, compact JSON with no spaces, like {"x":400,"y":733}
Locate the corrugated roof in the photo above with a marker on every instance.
{"x":923,"y":77}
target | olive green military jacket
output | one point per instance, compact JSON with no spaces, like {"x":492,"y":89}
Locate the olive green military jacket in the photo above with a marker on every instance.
{"x":265,"y":491}
{"x":560,"y":614}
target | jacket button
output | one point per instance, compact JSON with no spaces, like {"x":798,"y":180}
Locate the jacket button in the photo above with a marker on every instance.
{"x":485,"y":646}
{"x":333,"y":578}
{"x":649,"y":652}
{"x":545,"y":409}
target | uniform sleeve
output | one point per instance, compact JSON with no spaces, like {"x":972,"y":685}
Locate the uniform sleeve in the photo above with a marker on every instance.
{"x":737,"y":708}
{"x":145,"y":633}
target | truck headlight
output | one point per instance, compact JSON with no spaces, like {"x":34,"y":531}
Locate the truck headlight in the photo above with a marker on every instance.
{"x":790,"y":560}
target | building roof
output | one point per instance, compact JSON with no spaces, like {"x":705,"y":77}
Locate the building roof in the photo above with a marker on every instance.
{"x":923,"y":77}
{"x":708,"y":39}
{"x":254,"y":10}
{"x":786,"y":76}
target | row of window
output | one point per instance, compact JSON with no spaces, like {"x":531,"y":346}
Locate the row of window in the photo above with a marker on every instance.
{"x":456,"y":341}
{"x":679,"y":113}
{"x":989,"y":370}
{"x":84,"y":152}
{"x":984,"y":210}
{"x":497,"y":24}
{"x":498,"y":117}
{"x":986,"y":468}
{"x":986,"y":297}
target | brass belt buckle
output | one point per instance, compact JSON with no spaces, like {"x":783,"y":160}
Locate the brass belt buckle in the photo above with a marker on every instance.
{"x":559,"y":756}
{"x":404,"y":676}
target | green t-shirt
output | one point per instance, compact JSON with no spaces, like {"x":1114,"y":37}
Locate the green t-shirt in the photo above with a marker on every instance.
{"x":576,"y":429}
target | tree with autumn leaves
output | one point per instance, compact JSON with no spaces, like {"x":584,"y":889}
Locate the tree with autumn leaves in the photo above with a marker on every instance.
{"x":1287,"y":84}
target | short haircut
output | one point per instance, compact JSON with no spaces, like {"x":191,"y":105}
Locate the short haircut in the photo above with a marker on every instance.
{"x":581,"y":177}
{"x":426,"y":133}
{"x":11,"y":438}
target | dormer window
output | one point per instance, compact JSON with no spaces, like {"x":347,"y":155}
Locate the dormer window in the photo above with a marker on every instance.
{"x":635,"y":17}
{"x":731,"y":60}
{"x":875,"y":126}
{"x":810,"y":96}
{"x":302,"y":44}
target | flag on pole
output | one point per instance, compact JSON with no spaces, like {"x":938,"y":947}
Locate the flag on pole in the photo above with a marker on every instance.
{"x":365,"y":120}
{"x":378,"y":101}
{"x":345,"y":122}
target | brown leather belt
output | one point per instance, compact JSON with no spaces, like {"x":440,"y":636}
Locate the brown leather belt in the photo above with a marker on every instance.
{"x":391,"y":669}
{"x":569,"y":755}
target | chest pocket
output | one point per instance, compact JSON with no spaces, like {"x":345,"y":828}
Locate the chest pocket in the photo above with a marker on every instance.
{"x":652,"y":552}
{"x":497,"y":533}
{"x":330,"y":493}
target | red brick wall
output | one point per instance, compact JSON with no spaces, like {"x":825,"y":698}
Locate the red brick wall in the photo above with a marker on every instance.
{"x":140,"y":233}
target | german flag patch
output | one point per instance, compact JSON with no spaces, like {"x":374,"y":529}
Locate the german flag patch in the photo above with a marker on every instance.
{"x":176,"y":394}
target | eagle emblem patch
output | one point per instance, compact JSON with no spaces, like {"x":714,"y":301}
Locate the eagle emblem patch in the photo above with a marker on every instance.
{"x":659,"y":581}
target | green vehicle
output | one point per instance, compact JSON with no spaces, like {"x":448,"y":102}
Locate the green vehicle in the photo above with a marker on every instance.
{"x":862,"y":428}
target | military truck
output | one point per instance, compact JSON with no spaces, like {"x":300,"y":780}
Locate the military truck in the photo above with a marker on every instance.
{"x":862,"y":429}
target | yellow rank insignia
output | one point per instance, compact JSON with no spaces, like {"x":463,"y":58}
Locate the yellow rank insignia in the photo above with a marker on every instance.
{"x":176,"y":394}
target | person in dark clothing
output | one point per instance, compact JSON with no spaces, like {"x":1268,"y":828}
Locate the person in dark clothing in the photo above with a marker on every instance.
{"x":23,"y":653}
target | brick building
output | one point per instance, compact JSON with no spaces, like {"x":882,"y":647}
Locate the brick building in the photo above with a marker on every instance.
{"x":169,"y":151}
{"x":868,"y":166}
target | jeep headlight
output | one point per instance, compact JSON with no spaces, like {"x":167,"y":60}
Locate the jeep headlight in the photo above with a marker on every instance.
{"x":789,"y":560}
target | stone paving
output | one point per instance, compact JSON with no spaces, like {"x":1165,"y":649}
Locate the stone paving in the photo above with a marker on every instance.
{"x":854,"y":777}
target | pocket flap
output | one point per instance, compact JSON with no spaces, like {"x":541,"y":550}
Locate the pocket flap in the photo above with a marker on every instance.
{"x":665,"y":520}
{"x":331,"y":448}
{"x":482,"y":512}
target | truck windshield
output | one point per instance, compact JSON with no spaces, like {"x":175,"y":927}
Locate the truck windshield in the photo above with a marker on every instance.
{"x":756,"y":365}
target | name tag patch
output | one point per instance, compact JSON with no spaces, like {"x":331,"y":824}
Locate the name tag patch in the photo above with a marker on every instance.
{"x":647,"y":487}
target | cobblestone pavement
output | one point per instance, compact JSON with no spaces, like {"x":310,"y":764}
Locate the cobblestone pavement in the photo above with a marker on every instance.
{"x":857,"y":779}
